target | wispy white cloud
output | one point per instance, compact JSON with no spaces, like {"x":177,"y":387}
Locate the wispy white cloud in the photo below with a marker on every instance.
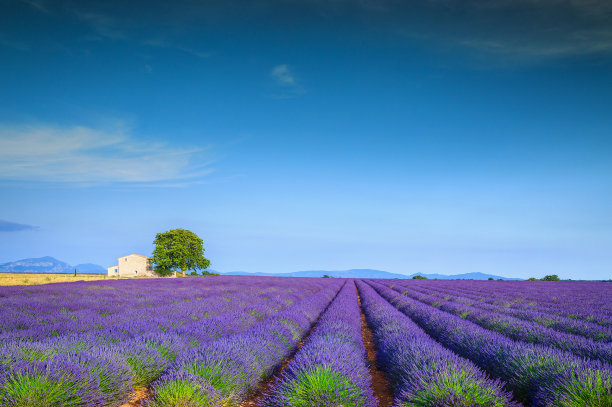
{"x":286,"y":80}
{"x":38,"y":5}
{"x":79,"y":154}
{"x":112,"y":28}
{"x":103,"y":25}
{"x":531,"y":29}
{"x":577,"y":43}
{"x":505,"y":31}
{"x":523,"y":30}
{"x":282,"y":75}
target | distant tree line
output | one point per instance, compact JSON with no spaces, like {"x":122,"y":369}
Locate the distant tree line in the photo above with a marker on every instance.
{"x":550,"y":277}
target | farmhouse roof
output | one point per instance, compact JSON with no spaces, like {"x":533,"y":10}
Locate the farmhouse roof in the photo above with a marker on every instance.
{"x":134,"y":254}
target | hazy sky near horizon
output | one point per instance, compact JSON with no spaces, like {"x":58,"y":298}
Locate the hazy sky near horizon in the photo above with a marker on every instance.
{"x":408,"y":136}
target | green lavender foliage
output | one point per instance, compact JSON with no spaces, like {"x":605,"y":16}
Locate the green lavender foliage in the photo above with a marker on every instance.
{"x":32,"y":390}
{"x":184,"y":390}
{"x":576,"y":389}
{"x":456,"y":388}
{"x":318,"y":386}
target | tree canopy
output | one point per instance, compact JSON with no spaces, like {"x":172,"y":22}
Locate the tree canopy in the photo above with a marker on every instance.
{"x":419,"y":277}
{"x":178,"y":249}
{"x":551,"y":277}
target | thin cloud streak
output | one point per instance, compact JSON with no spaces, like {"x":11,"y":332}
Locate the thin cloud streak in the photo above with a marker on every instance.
{"x":286,"y":80}
{"x":103,"y":25}
{"x":526,"y":29}
{"x":282,"y":75}
{"x":575,"y":44}
{"x":37,"y":5}
{"x":530,"y":30}
{"x":78,"y":154}
{"x":6,"y":226}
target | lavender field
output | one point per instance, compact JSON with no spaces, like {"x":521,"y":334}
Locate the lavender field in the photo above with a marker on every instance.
{"x":268,"y":341}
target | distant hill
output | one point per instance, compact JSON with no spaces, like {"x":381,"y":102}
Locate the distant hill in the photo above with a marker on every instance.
{"x":466,"y":276}
{"x":369,"y":273}
{"x":49,"y":265}
{"x":354,"y":273}
{"x":90,"y":268}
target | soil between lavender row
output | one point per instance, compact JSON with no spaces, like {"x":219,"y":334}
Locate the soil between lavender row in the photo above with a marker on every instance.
{"x":380,"y":385}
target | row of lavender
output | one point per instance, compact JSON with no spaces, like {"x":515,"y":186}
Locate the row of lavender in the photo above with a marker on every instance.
{"x":583,"y":301}
{"x":214,"y":344}
{"x":423,"y":372}
{"x":129,"y":307}
{"x":537,"y":375}
{"x":331,"y":369}
{"x":591,"y":330}
{"x":100,"y":340}
{"x":514,"y":328}
{"x":226,"y":371}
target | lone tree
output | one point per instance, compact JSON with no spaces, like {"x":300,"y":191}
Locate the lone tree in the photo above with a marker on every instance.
{"x":551,"y":277}
{"x":419,"y":277}
{"x":178,"y":249}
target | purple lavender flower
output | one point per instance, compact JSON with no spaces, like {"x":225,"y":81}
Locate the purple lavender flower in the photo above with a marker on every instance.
{"x":331,"y":368}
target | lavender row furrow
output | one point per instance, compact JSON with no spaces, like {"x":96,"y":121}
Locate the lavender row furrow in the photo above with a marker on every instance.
{"x":196,"y":320}
{"x":331,"y":369}
{"x":103,"y":366}
{"x":548,"y":293}
{"x":422,"y":372}
{"x":565,"y":298}
{"x":148,"y":353}
{"x":224,"y":372}
{"x":590,"y":330}
{"x":124,"y":309}
{"x":589,"y":302}
{"x":517,"y":329}
{"x":537,"y":375}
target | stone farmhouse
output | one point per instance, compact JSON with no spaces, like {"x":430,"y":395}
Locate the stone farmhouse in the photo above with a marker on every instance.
{"x":132,"y":265}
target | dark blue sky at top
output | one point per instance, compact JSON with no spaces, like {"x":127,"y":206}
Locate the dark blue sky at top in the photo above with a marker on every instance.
{"x":433,"y":136}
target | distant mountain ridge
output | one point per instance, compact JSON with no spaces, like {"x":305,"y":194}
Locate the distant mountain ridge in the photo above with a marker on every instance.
{"x":370,"y":273}
{"x":49,"y":265}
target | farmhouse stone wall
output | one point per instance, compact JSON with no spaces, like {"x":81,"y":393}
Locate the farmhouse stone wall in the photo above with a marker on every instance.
{"x":132,"y":265}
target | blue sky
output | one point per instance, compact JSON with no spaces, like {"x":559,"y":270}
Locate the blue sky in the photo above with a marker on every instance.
{"x":431,"y":136}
